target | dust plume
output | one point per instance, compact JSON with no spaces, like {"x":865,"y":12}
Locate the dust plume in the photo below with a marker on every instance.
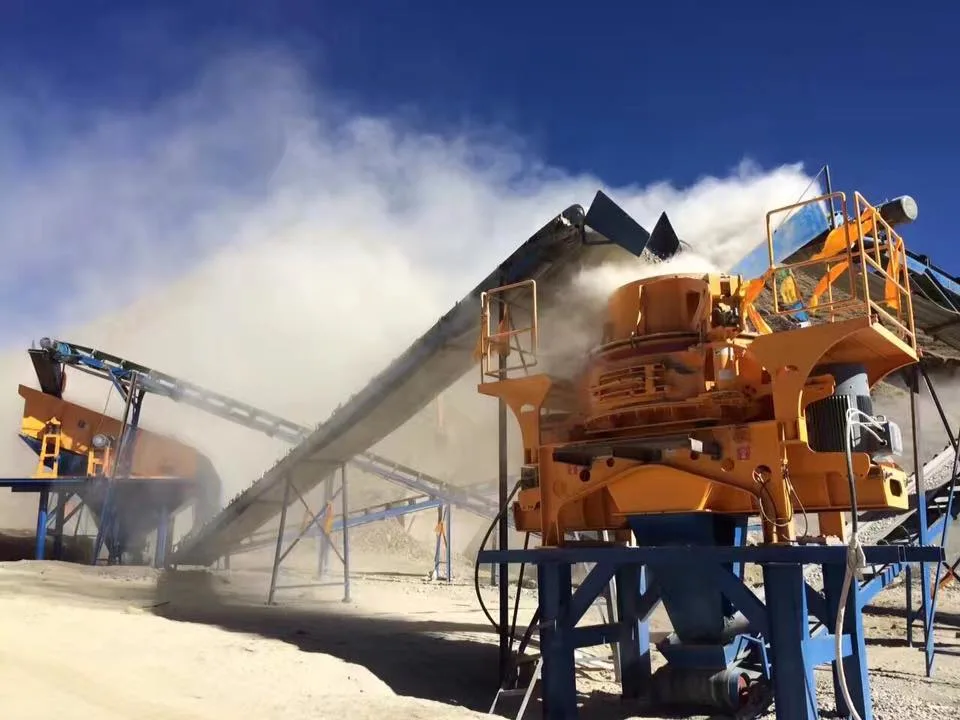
{"x":255,"y":236}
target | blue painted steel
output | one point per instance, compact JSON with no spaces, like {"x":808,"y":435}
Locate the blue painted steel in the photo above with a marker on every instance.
{"x":917,"y":264}
{"x":43,"y":500}
{"x":443,"y":552}
{"x":558,"y":677}
{"x":119,"y":370}
{"x":855,"y":664}
{"x":386,"y":514}
{"x":759,"y":554}
{"x":407,"y":477}
{"x":111,"y":530}
{"x":780,"y":633}
{"x":635,"y":603}
{"x":345,"y":510}
{"x":160,"y":551}
{"x":323,"y":541}
{"x":789,"y":642}
{"x":697,"y":613}
{"x":805,"y":224}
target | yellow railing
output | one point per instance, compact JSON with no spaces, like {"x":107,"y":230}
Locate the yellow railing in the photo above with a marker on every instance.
{"x":49,"y":451}
{"x":98,"y":462}
{"x":500,"y":338}
{"x":863,"y":252}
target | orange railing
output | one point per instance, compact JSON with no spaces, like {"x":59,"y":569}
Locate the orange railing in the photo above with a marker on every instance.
{"x":866,"y":252}
{"x":500,"y":338}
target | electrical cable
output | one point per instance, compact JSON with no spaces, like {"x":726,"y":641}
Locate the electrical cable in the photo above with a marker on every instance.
{"x":856,"y":559}
{"x":483,"y":544}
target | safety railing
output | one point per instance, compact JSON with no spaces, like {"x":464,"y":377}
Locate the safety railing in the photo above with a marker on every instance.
{"x":50,"y":442}
{"x":859,"y":268}
{"x":500,"y":338}
{"x":889,"y":246}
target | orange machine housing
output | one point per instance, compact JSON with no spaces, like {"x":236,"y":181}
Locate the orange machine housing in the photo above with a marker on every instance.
{"x":684,"y":407}
{"x":155,"y":456}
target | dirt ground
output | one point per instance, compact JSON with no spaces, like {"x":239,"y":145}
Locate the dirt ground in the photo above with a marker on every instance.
{"x":112,"y":643}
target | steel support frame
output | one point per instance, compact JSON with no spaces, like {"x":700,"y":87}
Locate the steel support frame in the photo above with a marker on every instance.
{"x":110,"y":530}
{"x":58,"y":518}
{"x":315,"y":525}
{"x":936,"y":533}
{"x":443,"y":552}
{"x":781,"y":622}
{"x":503,"y":492}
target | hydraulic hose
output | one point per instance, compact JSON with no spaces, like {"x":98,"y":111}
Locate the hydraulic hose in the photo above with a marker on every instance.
{"x":483,"y":544}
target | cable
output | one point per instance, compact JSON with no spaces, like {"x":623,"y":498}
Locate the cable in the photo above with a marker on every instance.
{"x":476,"y":564}
{"x":856,"y":559}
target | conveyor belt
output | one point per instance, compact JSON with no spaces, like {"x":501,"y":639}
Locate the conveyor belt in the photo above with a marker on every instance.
{"x":571,"y":241}
{"x":53,"y":355}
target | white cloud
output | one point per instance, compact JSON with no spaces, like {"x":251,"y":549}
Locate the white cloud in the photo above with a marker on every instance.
{"x":309,"y":245}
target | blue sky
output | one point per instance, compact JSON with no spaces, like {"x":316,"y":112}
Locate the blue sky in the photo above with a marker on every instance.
{"x":629,"y":90}
{"x":632,"y":92}
{"x":628,"y":93}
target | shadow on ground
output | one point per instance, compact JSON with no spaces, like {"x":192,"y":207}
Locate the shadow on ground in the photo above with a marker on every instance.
{"x":415,"y":656}
{"x":412,"y":656}
{"x":943,"y":620}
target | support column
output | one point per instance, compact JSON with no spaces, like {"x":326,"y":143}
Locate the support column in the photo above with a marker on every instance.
{"x":442,"y":553}
{"x":323,"y":540}
{"x":60,"y":520}
{"x":503,"y":536}
{"x":559,"y":681}
{"x":163,"y":532}
{"x":854,"y":664}
{"x":280,"y":531}
{"x":634,"y":646}
{"x":43,"y":504}
{"x":448,"y":528}
{"x":910,"y":617}
{"x":788,"y":617}
{"x":345,"y":509}
{"x":926,"y":591}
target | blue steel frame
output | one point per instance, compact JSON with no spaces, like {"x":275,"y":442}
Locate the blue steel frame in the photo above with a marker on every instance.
{"x":927,"y":532}
{"x":357,"y":518}
{"x":779,"y":622}
{"x":443,"y":552}
{"x":63,"y":488}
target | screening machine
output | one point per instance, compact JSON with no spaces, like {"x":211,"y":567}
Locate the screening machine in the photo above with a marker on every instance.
{"x":131,"y":480}
{"x":694,"y":411}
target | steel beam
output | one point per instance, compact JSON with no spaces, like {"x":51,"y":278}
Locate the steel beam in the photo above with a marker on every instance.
{"x":779,"y":624}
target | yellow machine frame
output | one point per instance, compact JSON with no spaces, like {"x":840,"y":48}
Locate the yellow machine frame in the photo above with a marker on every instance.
{"x":764,"y":467}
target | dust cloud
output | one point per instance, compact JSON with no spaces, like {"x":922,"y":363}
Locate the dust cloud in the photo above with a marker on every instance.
{"x":255,"y":236}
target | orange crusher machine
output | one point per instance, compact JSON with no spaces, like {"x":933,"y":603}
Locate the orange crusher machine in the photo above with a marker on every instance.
{"x":693,"y":412}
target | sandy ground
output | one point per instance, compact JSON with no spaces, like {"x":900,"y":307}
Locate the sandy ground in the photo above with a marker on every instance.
{"x":130,"y":642}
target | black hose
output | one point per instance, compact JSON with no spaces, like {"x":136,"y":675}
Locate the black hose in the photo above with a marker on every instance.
{"x":851,"y":480}
{"x":476,"y":564}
